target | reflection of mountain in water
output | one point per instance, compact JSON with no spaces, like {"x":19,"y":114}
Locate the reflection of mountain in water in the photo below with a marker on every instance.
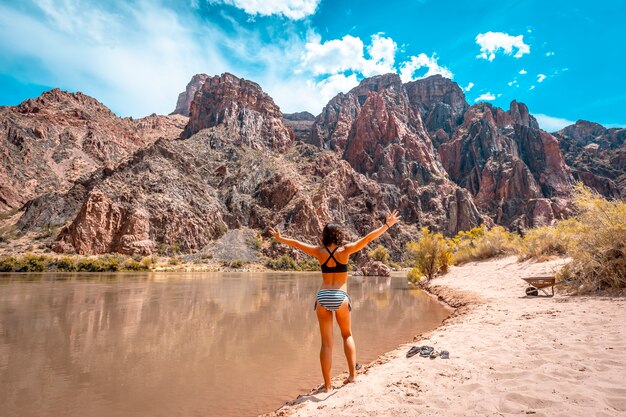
{"x":231,"y":343}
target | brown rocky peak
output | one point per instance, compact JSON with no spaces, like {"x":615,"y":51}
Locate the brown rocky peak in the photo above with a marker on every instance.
{"x":378,"y":83}
{"x":59,"y":101}
{"x":428,"y":92}
{"x":243,"y":108}
{"x":186,"y":97}
{"x":583,"y":132}
{"x":519,"y":114}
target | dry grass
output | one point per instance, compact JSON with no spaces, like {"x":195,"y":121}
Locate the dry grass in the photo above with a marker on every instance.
{"x":596,"y":242}
{"x":482,"y":243}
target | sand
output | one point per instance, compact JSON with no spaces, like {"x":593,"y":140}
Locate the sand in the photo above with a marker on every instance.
{"x":509,"y":355}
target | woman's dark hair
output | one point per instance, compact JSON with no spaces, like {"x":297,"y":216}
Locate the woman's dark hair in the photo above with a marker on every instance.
{"x":332,"y":234}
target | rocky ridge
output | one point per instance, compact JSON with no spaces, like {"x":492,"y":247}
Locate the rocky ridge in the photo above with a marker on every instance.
{"x":417,"y":146}
{"x":597,"y":156}
{"x":49,"y":142}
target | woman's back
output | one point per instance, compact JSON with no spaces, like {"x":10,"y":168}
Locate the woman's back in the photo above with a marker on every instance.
{"x":334,"y":267}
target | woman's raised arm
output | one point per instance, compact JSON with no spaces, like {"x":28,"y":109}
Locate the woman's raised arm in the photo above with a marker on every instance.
{"x":304,"y":247}
{"x":390,"y":220}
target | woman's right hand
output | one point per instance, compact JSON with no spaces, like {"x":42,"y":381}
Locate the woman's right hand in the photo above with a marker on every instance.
{"x":275,"y":232}
{"x":392,"y":218}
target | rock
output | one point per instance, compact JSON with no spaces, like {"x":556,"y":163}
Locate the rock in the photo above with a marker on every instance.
{"x":301,"y":124}
{"x":183,"y":104}
{"x":50,"y":142}
{"x":596,"y":155}
{"x":241,"y":106}
{"x":376,"y":269}
{"x":506,"y":163}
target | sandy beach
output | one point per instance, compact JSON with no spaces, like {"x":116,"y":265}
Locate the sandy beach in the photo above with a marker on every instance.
{"x":509,"y":355}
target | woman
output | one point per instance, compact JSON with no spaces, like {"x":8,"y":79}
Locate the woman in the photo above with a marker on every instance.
{"x":332,"y":296}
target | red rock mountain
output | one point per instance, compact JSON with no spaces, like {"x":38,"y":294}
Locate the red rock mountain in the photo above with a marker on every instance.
{"x":49,"y":142}
{"x":417,"y":146}
{"x":597,"y":156}
{"x":242,"y":107}
{"x":185,"y":98}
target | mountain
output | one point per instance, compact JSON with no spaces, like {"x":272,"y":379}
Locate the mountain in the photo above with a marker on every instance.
{"x":49,"y":142}
{"x":597,"y":156}
{"x":186,"y":192}
{"x":185,"y":98}
{"x":238,"y":161}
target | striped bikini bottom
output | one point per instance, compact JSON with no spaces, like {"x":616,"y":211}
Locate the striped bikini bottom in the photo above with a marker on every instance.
{"x":331,"y":300}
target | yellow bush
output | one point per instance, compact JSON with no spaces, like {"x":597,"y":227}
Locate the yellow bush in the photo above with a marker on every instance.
{"x":542,"y":242}
{"x":379,"y":253}
{"x":414,"y":275}
{"x":596,"y":242}
{"x":430,"y":255}
{"x":480,"y":243}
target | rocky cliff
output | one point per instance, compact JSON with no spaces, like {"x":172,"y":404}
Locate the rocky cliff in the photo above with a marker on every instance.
{"x":242,"y":107}
{"x":149,"y":185}
{"x":183,"y":105}
{"x":597,"y":156}
{"x":49,"y":142}
{"x":514,"y":170}
{"x":379,"y":131}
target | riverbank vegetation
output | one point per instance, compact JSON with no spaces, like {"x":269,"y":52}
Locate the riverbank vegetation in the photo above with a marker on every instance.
{"x":594,"y":238}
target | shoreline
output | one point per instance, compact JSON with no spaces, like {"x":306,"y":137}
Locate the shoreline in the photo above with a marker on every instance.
{"x":509,"y":354}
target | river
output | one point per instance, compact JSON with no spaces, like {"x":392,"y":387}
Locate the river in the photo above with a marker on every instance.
{"x":183,"y":344}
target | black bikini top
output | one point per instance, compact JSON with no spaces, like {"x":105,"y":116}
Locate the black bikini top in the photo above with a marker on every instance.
{"x":339,"y":267}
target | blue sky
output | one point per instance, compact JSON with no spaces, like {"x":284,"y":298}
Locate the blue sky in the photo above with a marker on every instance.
{"x":562,"y":58}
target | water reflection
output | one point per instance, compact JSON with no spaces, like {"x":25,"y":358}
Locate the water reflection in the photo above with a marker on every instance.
{"x":182,"y":344}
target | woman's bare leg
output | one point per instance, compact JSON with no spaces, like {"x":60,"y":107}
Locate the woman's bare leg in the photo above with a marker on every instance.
{"x":349,"y":348}
{"x":325,"y":318}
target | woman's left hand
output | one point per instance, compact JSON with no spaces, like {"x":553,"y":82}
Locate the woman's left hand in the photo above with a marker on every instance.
{"x":392,"y":218}
{"x":275,"y":232}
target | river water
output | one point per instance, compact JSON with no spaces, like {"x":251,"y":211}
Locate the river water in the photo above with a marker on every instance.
{"x":183,"y":344}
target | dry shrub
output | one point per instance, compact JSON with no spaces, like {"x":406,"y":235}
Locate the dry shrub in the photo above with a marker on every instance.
{"x":596,"y":242}
{"x":430,"y":255}
{"x":542,"y":242}
{"x":479,"y":243}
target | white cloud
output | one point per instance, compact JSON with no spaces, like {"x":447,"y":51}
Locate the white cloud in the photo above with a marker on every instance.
{"x":338,"y":55}
{"x":331,"y":86}
{"x":333,"y":56}
{"x":468,"y":87}
{"x":552,"y":124}
{"x":523,"y":71}
{"x":532,"y":87}
{"x":292,"y":9}
{"x":408,"y":68}
{"x":492,"y":42}
{"x":485,"y":97}
{"x":550,"y":53}
{"x":540,"y":78}
{"x":512,"y":83}
{"x":382,"y":51}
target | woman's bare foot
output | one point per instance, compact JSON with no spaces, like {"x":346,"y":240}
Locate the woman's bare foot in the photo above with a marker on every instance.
{"x":328,"y":389}
{"x":349,"y":379}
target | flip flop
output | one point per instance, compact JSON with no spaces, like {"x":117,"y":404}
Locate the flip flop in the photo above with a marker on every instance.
{"x":425,"y":351}
{"x":413,"y":351}
{"x":444,"y":354}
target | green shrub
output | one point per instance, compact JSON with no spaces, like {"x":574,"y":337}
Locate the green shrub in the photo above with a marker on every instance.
{"x":255,"y":241}
{"x":133,"y":265}
{"x":8,"y":264}
{"x":379,"y":253}
{"x":283,"y":263}
{"x":309,"y":264}
{"x":65,"y":264}
{"x":235,"y":263}
{"x":431,"y":254}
